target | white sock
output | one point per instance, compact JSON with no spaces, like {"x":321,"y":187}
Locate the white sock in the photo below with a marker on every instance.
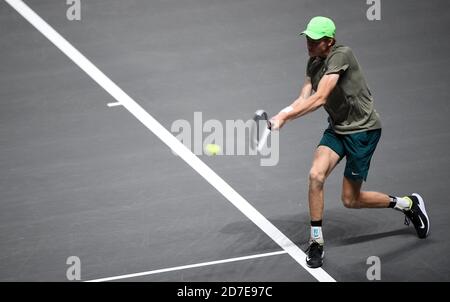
{"x":403,"y":203}
{"x":316,"y":234}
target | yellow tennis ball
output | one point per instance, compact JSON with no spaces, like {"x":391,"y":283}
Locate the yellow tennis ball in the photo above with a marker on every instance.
{"x":212,"y":149}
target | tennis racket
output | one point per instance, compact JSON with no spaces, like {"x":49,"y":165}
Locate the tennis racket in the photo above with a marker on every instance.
{"x":259,"y":130}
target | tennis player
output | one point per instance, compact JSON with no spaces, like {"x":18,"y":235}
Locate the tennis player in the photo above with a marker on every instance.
{"x":334,"y":80}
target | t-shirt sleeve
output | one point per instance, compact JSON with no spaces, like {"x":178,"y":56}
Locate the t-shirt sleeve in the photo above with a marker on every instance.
{"x":338,"y":63}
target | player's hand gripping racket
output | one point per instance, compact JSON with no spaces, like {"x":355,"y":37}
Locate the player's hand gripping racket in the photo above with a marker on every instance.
{"x":259,"y":130}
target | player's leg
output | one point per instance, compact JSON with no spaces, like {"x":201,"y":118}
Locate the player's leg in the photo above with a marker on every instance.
{"x":326,"y":157}
{"x":353,"y":197}
{"x":412,"y":206}
{"x":359,"y":149}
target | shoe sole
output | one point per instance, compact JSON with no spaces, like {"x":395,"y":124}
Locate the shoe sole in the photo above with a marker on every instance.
{"x":422,"y":208}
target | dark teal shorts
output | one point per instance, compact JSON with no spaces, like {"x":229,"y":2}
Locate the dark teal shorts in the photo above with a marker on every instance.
{"x":358,"y":149}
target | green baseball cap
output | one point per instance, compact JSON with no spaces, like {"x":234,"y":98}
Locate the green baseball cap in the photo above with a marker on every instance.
{"x":320,"y":27}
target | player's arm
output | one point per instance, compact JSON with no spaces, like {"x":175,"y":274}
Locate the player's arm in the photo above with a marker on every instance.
{"x":318,"y":99}
{"x":305,"y":91}
{"x":302,"y":106}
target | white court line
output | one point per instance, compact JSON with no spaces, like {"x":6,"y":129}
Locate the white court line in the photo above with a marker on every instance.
{"x":171,"y":141}
{"x":114,"y":104}
{"x":178,"y":268}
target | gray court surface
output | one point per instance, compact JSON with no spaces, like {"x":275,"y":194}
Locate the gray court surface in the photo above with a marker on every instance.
{"x":80,"y":178}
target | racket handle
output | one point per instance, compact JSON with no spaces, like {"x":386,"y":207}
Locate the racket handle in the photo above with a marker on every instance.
{"x":263,"y":140}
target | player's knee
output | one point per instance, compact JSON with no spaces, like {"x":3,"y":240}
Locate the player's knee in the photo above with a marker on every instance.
{"x":316,"y":178}
{"x":350,"y":201}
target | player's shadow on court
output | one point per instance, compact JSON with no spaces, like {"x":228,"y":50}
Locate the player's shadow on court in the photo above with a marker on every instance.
{"x":371,"y":237}
{"x":342,"y":227}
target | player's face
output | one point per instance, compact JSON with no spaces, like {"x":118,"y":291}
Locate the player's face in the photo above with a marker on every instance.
{"x":318,"y":48}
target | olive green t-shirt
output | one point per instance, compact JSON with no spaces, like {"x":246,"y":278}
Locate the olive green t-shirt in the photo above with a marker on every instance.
{"x":350,"y":103}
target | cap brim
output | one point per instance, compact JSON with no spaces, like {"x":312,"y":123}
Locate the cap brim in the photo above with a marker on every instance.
{"x":312,"y":35}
